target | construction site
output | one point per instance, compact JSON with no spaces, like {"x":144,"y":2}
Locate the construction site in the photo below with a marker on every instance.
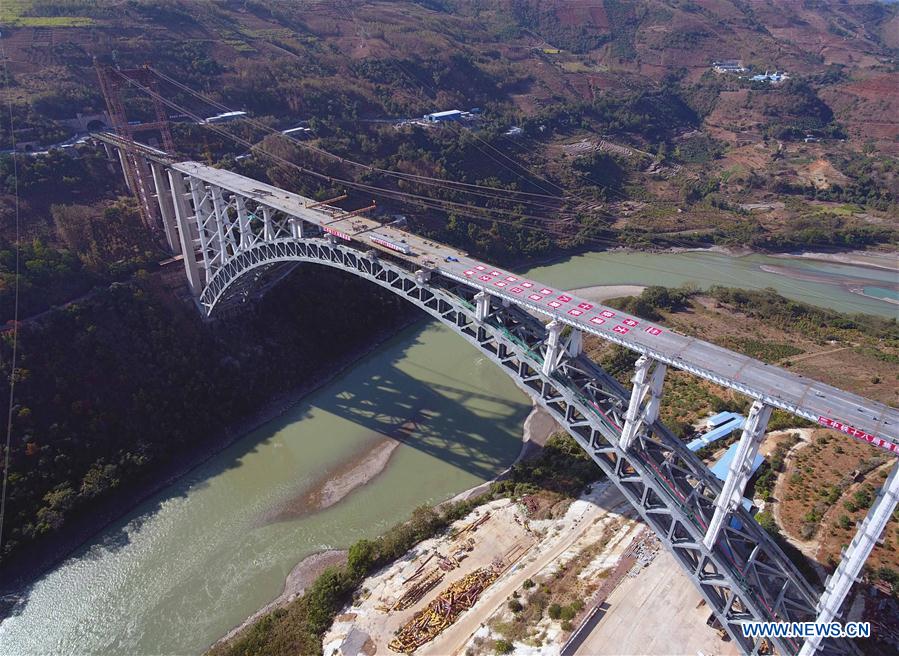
{"x":502,"y":579}
{"x":404,"y":607}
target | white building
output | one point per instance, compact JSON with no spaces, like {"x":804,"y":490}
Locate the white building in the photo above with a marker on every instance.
{"x":440,"y":117}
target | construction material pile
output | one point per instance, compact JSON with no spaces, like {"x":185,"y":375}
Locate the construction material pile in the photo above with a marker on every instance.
{"x":643,"y":549}
{"x":473,"y":526}
{"x":419,"y":590}
{"x":428,"y":623}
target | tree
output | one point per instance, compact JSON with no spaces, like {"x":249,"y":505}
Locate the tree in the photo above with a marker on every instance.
{"x":766,"y":521}
{"x":361,"y":557}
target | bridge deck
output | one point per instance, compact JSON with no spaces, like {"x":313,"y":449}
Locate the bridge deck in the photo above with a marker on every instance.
{"x":143,"y":149}
{"x":852,"y":414}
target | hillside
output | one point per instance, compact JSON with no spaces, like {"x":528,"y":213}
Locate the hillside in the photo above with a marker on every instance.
{"x":618,"y":102}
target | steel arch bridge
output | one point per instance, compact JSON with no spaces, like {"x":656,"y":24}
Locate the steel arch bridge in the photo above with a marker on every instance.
{"x":238,"y":235}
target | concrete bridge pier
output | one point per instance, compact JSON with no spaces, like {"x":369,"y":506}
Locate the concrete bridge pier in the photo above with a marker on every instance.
{"x":553,"y":351}
{"x":125,"y":173}
{"x":557,"y":346}
{"x":740,"y":470}
{"x":183,"y":216}
{"x":166,"y":208}
{"x":649,"y":376}
{"x":482,"y":306}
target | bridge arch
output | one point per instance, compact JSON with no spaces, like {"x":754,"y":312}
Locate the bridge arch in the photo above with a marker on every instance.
{"x":744,"y":576}
{"x":235,"y":232}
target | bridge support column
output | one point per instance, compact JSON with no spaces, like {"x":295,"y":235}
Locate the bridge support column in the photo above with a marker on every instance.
{"x":553,"y":350}
{"x":243,"y":223}
{"x":556,"y":347}
{"x":839,"y":584}
{"x":740,"y":470}
{"x":482,"y":306}
{"x":575,"y":343}
{"x":423,"y":276}
{"x":166,"y":209}
{"x":640,"y":414}
{"x":268,"y":230}
{"x":183,"y":217}
{"x":125,"y":173}
{"x":222,"y":224}
{"x":203,"y":212}
{"x":296,"y":228}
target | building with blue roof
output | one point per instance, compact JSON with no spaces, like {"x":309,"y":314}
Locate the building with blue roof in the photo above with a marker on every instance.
{"x":719,"y":469}
{"x":732,"y":424}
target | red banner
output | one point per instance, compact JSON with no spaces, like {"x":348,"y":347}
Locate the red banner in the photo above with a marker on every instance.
{"x":858,"y":434}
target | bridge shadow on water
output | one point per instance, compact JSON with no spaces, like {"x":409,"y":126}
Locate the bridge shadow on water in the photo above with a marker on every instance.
{"x":468,"y":428}
{"x":390,"y":394}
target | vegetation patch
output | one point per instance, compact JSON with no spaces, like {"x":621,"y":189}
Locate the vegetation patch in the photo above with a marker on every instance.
{"x":299,"y":628}
{"x":828,"y":489}
{"x":764,"y":350}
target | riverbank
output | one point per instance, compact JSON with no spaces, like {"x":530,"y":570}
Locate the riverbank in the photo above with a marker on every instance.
{"x":537,"y":428}
{"x":300,"y":578}
{"x":601,"y":293}
{"x":42,"y":559}
{"x":875,"y":259}
{"x":854,"y":286}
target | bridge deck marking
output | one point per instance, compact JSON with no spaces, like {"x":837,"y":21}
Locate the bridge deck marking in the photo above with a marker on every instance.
{"x":852,"y":414}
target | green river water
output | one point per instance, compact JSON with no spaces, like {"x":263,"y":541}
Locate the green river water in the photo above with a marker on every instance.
{"x":194,"y":561}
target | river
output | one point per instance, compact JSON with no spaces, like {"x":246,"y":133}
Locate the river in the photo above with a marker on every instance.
{"x":812,"y":281}
{"x":194,"y":561}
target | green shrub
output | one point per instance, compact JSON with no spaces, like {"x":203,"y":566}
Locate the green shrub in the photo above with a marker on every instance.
{"x":766,"y":521}
{"x":555,"y":611}
{"x":503,"y":647}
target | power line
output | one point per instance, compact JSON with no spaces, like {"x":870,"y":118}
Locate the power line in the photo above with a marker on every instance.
{"x":15,"y":329}
{"x":461,"y":209}
{"x":451,"y":206}
{"x":484,"y":189}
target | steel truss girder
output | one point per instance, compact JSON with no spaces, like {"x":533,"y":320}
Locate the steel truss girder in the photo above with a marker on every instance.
{"x":743,"y":576}
{"x":229,"y":224}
